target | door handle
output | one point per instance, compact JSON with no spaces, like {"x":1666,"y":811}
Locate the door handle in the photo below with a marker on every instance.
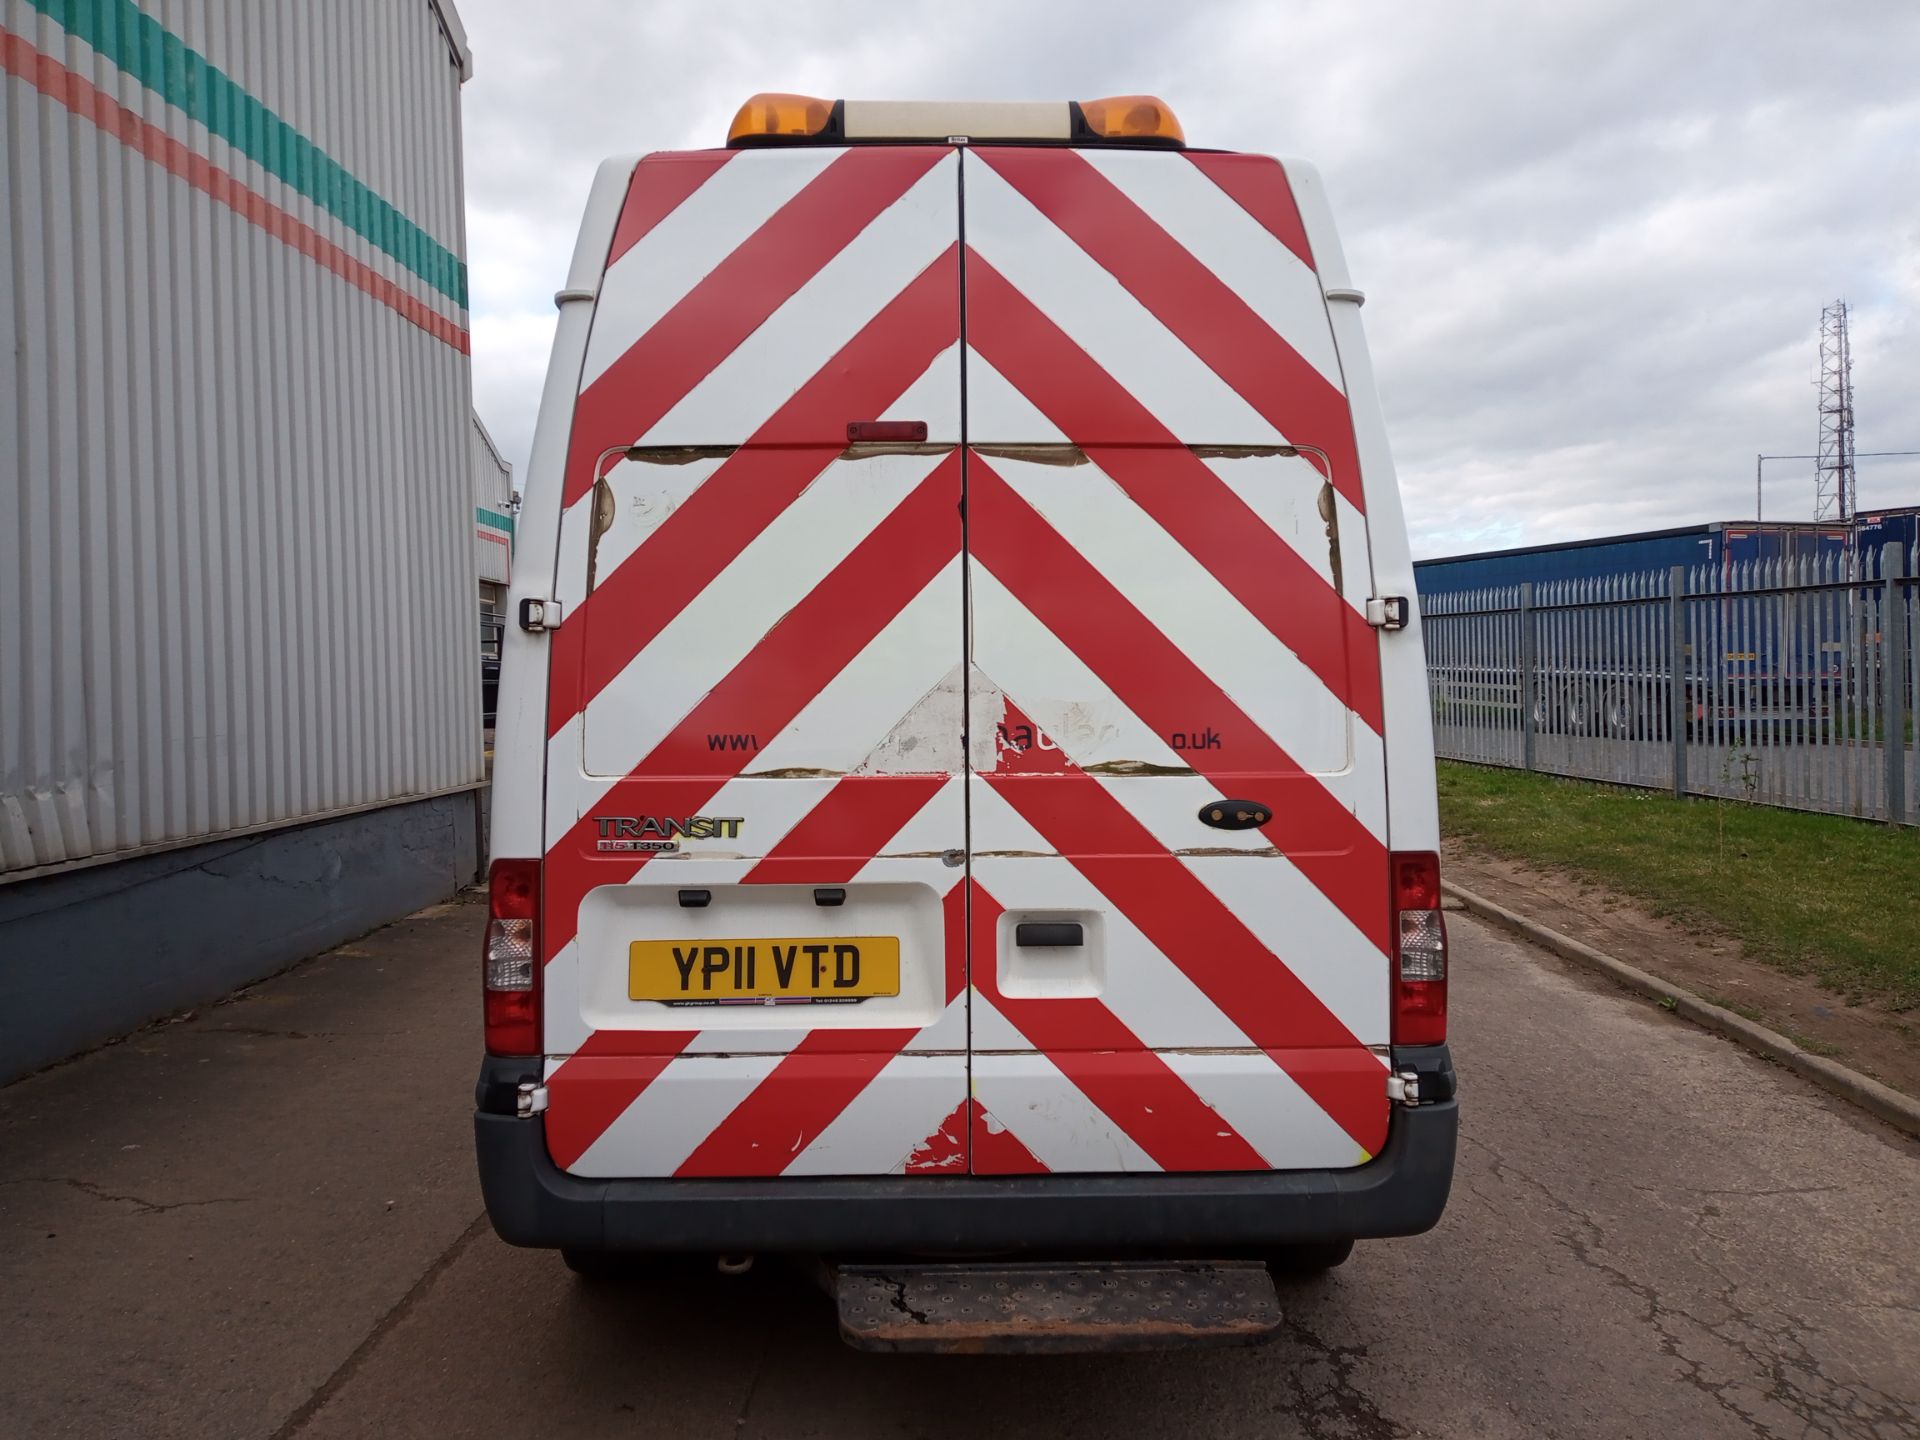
{"x":1235,"y":814}
{"x":1038,"y":932}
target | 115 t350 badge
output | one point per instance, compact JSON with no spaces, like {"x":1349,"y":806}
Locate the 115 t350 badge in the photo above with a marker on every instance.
{"x":655,"y":834}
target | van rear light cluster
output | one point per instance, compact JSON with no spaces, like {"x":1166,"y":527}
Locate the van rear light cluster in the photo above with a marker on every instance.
{"x":512,"y":958}
{"x":1420,"y":951}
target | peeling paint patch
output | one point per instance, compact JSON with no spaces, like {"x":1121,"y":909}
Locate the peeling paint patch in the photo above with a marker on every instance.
{"x":1245,"y":452}
{"x":677,"y":454}
{"x":1035,"y":454}
{"x":1003,"y":739}
{"x":945,"y":1150}
{"x":874,"y":449}
{"x":1137,"y":767}
{"x":599,"y":524}
{"x":927,"y":739}
{"x":1330,"y":513}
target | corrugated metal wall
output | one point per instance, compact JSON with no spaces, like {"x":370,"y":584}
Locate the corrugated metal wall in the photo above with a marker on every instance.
{"x":236,"y":573}
{"x":492,"y":509}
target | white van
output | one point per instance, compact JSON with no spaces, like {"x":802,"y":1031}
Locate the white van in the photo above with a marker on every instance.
{"x":964,"y":785}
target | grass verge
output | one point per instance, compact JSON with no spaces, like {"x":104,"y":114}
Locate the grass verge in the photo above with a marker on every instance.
{"x":1820,"y":895}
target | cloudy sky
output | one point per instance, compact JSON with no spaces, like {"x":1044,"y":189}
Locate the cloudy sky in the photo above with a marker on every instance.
{"x":1595,"y":235}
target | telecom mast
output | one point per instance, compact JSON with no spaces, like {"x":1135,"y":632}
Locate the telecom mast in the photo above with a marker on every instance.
{"x":1833,"y":482}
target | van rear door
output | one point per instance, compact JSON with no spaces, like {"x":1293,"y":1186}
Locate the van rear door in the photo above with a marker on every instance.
{"x":1179,"y":875}
{"x":753,"y":916}
{"x":858,"y":739}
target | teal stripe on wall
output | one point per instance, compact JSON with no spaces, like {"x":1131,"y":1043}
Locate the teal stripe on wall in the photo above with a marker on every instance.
{"x":493,"y":520}
{"x":145,"y":49}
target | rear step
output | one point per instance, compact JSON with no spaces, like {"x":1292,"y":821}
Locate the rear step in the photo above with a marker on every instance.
{"x":1038,"y":1308}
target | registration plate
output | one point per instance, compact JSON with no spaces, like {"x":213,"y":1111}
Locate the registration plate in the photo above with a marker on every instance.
{"x":763,"y":971}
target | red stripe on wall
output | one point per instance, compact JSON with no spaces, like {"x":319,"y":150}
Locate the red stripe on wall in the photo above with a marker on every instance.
{"x":54,"y":80}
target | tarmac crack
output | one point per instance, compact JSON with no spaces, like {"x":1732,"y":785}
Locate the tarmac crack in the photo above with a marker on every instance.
{"x":384,"y":1326}
{"x":141,"y":1204}
{"x":753,"y":1384}
{"x":1743,"y":1194}
{"x":1793,"y":1379}
{"x":1340,"y":1402}
{"x":264,"y":1033}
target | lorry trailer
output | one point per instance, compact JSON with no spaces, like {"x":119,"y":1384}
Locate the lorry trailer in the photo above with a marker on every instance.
{"x":1775,"y":635}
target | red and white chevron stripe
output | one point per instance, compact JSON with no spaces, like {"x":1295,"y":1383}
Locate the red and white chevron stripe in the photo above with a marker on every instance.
{"x":970,"y":680}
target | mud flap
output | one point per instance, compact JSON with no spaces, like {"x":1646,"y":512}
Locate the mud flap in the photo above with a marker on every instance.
{"x":1055,"y":1309}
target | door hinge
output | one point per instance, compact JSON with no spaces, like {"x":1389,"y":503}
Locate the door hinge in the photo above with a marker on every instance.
{"x":1404,"y":1087}
{"x":1389,"y":612}
{"x":538,"y":616}
{"x":530,"y":1099}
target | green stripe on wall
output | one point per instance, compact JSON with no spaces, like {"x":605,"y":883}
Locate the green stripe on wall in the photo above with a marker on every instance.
{"x":493,"y":520}
{"x":145,"y":49}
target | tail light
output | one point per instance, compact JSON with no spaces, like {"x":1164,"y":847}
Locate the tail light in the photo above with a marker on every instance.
{"x":1419,"y":951}
{"x":512,"y":958}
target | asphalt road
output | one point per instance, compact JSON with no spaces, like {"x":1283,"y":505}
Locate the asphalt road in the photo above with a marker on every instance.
{"x":263,"y":1221}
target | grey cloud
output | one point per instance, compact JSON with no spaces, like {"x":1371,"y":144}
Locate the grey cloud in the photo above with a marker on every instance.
{"x":1595,"y":237}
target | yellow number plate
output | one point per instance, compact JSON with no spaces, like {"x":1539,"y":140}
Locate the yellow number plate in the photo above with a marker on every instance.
{"x":715,"y":972}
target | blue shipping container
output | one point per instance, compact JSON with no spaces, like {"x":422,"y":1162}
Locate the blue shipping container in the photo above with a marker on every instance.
{"x":1722,"y":543}
{"x":1781,"y":672}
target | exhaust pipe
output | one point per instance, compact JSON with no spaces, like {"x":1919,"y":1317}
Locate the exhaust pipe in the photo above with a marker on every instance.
{"x":734,"y":1264}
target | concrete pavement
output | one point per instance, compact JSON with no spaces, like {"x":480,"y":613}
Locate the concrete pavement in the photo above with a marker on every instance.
{"x":263,"y":1221}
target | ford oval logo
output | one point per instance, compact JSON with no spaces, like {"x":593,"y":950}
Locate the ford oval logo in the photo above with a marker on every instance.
{"x":1235,"y":814}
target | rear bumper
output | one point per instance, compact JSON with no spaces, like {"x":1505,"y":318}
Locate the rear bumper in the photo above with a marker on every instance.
{"x":1402,"y":1191}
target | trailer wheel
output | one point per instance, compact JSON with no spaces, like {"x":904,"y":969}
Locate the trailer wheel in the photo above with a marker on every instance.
{"x":1543,"y":711}
{"x":1577,"y":706}
{"x":1620,"y":713}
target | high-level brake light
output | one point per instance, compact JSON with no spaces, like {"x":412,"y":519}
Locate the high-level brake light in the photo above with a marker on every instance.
{"x":1420,"y":951}
{"x":511,"y":961}
{"x":777,"y":119}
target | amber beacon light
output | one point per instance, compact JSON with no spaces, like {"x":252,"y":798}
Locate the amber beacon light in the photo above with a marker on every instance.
{"x":1132,"y":117}
{"x":771,"y":116}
